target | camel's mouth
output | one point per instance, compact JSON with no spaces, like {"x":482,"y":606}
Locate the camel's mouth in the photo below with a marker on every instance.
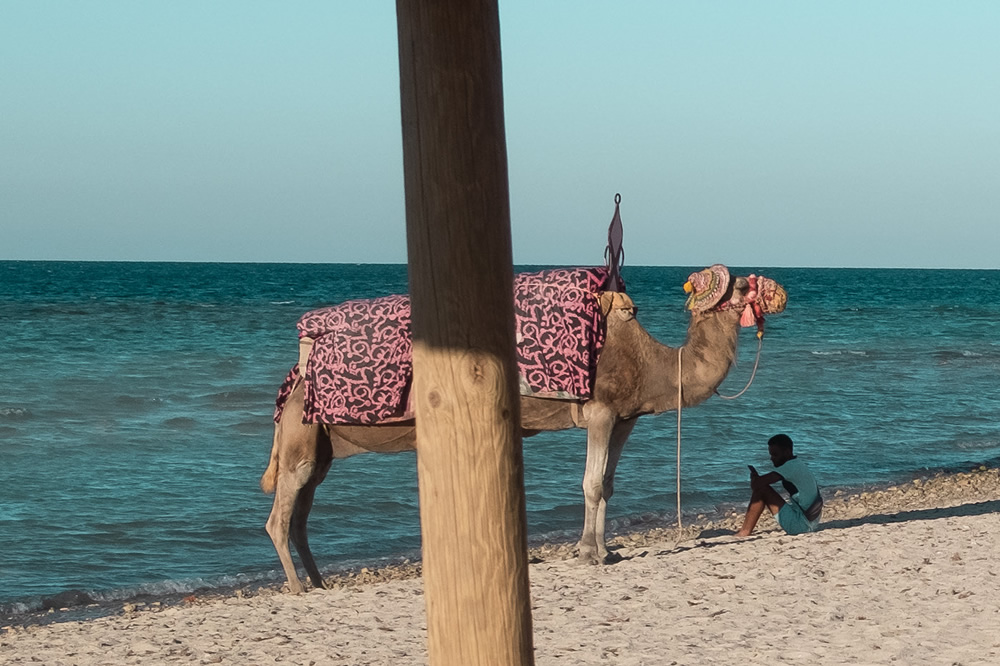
{"x":763,"y":296}
{"x":771,"y":296}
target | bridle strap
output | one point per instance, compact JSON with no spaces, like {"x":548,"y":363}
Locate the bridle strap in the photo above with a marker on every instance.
{"x":760,"y":345}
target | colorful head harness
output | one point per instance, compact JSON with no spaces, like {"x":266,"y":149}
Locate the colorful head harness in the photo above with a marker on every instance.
{"x":764,"y":295}
{"x":706,"y":288}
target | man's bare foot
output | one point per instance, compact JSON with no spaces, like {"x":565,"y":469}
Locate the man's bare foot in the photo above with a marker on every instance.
{"x":742,"y":533}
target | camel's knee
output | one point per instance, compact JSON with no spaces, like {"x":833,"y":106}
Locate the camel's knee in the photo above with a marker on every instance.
{"x":593,"y":492}
{"x":295,"y":477}
{"x":274,"y":528}
{"x":290,"y":483}
{"x":277,"y":526}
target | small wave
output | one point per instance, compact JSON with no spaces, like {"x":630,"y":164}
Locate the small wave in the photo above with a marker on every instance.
{"x":838,"y":352}
{"x":948,"y":355}
{"x":554,"y":536}
{"x":974,"y":444}
{"x":15,"y":413}
{"x":255,"y":428}
{"x":282,"y":302}
{"x":181,"y":423}
{"x":18,"y":608}
{"x":96,"y":603}
{"x":237,"y":398}
{"x":171,"y":588}
{"x":137,"y":400}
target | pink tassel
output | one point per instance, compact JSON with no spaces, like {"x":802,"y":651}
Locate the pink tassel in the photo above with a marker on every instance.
{"x":747,"y":318}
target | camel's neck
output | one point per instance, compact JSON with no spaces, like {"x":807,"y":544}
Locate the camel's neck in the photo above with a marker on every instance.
{"x":705,"y":359}
{"x":708,"y":354}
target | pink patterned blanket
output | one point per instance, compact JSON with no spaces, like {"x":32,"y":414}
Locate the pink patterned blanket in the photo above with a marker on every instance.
{"x":359,"y":369}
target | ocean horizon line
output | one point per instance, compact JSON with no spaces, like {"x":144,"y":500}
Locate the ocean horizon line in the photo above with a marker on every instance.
{"x":236,"y":262}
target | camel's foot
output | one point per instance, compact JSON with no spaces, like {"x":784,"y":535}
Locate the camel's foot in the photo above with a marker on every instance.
{"x":593,"y":555}
{"x":589,"y":555}
{"x":295,"y":586}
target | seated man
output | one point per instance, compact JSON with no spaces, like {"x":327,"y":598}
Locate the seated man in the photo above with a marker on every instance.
{"x":802,"y":511}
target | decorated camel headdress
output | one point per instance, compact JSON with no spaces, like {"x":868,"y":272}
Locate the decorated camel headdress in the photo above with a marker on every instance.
{"x":708,"y":287}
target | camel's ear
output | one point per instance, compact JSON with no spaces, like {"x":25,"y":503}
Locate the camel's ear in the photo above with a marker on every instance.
{"x":617,"y":302}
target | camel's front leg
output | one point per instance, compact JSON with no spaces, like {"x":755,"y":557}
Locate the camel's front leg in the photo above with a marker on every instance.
{"x":600,"y":424}
{"x":619,"y":435}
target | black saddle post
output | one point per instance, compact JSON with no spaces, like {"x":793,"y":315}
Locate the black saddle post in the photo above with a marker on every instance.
{"x":614,"y":254}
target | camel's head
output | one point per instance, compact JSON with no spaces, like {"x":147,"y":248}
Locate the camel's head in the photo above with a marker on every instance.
{"x":713,"y":289}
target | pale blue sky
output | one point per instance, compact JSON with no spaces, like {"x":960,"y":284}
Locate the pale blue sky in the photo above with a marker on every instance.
{"x":748,"y":133}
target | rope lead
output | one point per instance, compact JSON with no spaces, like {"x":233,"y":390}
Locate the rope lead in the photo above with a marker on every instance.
{"x":760,"y":345}
{"x":680,"y":525}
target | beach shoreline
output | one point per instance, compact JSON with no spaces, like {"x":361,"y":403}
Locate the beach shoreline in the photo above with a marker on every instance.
{"x":974,"y":481}
{"x":938,"y":504}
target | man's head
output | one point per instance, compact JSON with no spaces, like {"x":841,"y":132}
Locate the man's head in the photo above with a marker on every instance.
{"x":779,"y":448}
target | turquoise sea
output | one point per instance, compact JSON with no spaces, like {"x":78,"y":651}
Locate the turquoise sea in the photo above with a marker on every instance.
{"x":136,"y":402}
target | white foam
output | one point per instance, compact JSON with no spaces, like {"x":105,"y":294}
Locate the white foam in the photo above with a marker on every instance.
{"x":14,"y":412}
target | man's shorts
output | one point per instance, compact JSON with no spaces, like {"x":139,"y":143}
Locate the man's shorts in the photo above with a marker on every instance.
{"x":793,"y":520}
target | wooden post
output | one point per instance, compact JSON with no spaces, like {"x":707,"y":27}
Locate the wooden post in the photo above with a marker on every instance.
{"x":469,"y":460}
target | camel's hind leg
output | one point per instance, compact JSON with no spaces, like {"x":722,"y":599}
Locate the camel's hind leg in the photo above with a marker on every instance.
{"x":300,"y":459}
{"x":286,"y":494}
{"x":300,"y":514}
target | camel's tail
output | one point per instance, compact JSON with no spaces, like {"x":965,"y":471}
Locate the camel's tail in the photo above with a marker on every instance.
{"x":270,"y":478}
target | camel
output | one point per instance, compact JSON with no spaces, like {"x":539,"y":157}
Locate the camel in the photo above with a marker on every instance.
{"x":635,"y":375}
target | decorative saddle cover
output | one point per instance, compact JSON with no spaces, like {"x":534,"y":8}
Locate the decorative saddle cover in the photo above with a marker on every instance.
{"x":359,"y":365}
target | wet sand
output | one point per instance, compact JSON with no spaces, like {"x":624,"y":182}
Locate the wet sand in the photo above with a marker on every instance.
{"x":903,"y":575}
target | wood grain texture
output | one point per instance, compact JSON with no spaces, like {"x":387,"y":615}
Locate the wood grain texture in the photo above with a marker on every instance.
{"x":469,"y":459}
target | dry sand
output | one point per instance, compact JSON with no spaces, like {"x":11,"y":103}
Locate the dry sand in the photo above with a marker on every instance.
{"x":907,"y":575}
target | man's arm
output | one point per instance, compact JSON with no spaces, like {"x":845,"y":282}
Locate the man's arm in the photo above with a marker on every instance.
{"x":758,"y":481}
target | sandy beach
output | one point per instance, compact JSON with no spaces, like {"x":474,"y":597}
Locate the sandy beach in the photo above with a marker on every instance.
{"x":905,"y":575}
